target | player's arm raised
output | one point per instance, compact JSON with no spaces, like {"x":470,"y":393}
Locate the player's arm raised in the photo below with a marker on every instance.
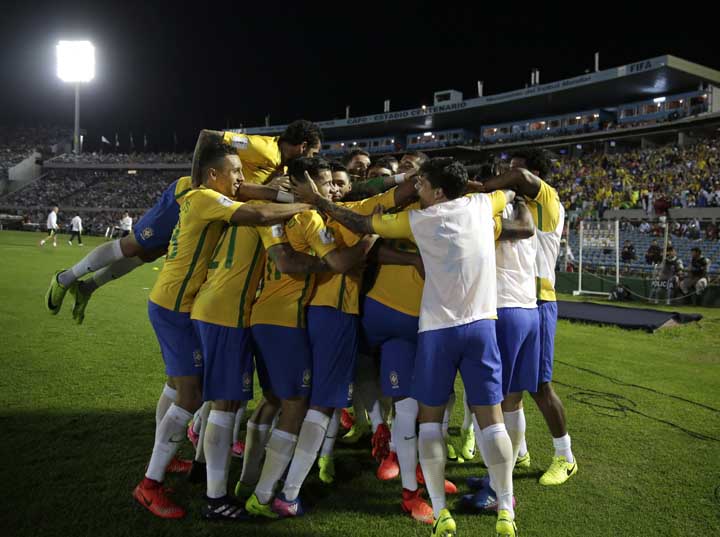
{"x":267,"y":214}
{"x":519,"y":180}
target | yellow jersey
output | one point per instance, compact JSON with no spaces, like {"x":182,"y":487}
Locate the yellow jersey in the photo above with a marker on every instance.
{"x":182,"y":187}
{"x":283,"y":297}
{"x":549,"y":217}
{"x":399,"y":286}
{"x":342,"y":291}
{"x":260,"y":155}
{"x":234,"y":273}
{"x":203,"y":214}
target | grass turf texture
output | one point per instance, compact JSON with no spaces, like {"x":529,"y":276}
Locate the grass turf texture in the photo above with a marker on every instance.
{"x":77,"y":421}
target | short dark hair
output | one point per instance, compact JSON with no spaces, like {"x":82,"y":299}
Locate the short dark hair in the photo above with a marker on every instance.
{"x":210,"y":157}
{"x":384,"y":162}
{"x":446,"y":173}
{"x":535,"y":160}
{"x":300,"y":131}
{"x":337,"y":166}
{"x":419,"y":155}
{"x":352,"y":154}
{"x":313,"y":165}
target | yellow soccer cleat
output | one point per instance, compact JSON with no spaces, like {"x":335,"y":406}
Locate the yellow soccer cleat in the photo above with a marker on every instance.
{"x":327,"y":469}
{"x":255,"y":508}
{"x":560,"y":471}
{"x":451,"y":453}
{"x":467,"y":440}
{"x":523,"y":463}
{"x":356,"y":433}
{"x":444,"y":526}
{"x":55,"y":294}
{"x":505,"y":525}
{"x":81,"y":302}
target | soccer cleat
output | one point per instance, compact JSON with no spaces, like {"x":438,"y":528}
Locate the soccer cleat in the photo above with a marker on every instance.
{"x":346,"y":419}
{"x":381,"y":442}
{"x":560,"y":471}
{"x":484,"y":499}
{"x":285,"y":508}
{"x":197,"y":473}
{"x":81,"y":302}
{"x":477,"y":483}
{"x":225,"y":508}
{"x":467,"y":437}
{"x":451,"y":454}
{"x":450,"y":487}
{"x":444,"y":526}
{"x":505,"y":525}
{"x":416,"y":506}
{"x":523,"y":462}
{"x":242,"y":490}
{"x":191,"y":434}
{"x":55,"y":294}
{"x":255,"y":508}
{"x":389,"y":468}
{"x":179,"y":466}
{"x":153,"y":497}
{"x":238,"y":449}
{"x":356,"y":433}
{"x":327,"y":469}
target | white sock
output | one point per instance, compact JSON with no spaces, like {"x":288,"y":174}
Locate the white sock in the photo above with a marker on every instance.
{"x":467,"y":414}
{"x":497,"y":453}
{"x":331,"y":434}
{"x":278,"y":454}
{"x":515,"y":425}
{"x":480,"y":446}
{"x":117,"y":270}
{"x":447,"y":416}
{"x":217,"y":444}
{"x":431,"y":446}
{"x":100,"y":257}
{"x":201,"y":431}
{"x":523,"y":449}
{"x":311,"y":437}
{"x":167,"y":398}
{"x":238,"y":421}
{"x":255,"y":439}
{"x":562,"y":448}
{"x":406,"y":441}
{"x":168,"y":435}
{"x":376,"y":418}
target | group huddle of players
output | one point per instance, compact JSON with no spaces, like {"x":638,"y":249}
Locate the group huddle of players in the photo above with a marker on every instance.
{"x":309,"y":273}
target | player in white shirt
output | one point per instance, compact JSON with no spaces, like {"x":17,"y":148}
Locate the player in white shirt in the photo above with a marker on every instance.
{"x":454,"y":234}
{"x":76,"y":227}
{"x":52,"y":227}
{"x":125,"y":225}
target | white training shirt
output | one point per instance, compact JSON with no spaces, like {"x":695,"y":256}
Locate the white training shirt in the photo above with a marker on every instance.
{"x":515,"y":260}
{"x":456,"y":241}
{"x":52,"y":220}
{"x":76,"y":223}
{"x":126,"y":223}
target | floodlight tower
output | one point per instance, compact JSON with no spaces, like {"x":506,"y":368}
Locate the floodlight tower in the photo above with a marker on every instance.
{"x":76,"y":64}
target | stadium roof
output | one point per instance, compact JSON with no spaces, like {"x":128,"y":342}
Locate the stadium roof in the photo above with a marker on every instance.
{"x":660,"y":76}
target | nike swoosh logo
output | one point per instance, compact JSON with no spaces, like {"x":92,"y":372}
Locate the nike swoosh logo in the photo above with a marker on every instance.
{"x":436,"y":524}
{"x":570,"y":470}
{"x":171,"y":441}
{"x":145,"y":500}
{"x":408,"y":437}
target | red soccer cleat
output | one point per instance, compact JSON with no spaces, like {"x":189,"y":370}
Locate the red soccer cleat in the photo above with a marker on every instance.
{"x":416,"y":506}
{"x":389,"y":468}
{"x":450,"y":487}
{"x":381,"y":442}
{"x":153,"y":497}
{"x":346,"y":419}
{"x":178,"y":466}
{"x":238,"y":449}
{"x":192,"y":435}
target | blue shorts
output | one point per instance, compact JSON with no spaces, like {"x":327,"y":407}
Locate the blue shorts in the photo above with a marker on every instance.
{"x":470,"y":348}
{"x":179,"y":344}
{"x":333,"y":338}
{"x":518,"y":338}
{"x":548,"y":326}
{"x":228,"y":371}
{"x":396,"y":334}
{"x":283,"y":360}
{"x":155,"y":227}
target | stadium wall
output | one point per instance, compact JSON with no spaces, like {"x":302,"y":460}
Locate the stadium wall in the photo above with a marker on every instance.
{"x":677,"y":213}
{"x":24,"y":173}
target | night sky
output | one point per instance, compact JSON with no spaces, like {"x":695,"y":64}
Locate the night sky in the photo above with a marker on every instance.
{"x":167,"y":66}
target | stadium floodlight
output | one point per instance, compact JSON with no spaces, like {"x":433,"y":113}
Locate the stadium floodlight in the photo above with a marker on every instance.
{"x":658,"y":100}
{"x":76,"y":64}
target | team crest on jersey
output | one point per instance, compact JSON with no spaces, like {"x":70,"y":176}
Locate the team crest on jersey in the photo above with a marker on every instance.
{"x":326,"y":236}
{"x":306,"y":378}
{"x":394,"y":380}
{"x":277,"y":231}
{"x":197,"y":358}
{"x":351,"y":389}
{"x":247,"y":382}
{"x":147,"y":233}
{"x":239,"y":142}
{"x":225,"y":202}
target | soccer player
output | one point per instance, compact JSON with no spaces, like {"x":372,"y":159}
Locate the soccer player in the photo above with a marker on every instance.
{"x":454,"y":234}
{"x":332,"y":327}
{"x":696,"y":277}
{"x":76,"y":228}
{"x":125,"y":225}
{"x":357,"y":162}
{"x":525,"y":177}
{"x":52,"y":227}
{"x":205,"y":211}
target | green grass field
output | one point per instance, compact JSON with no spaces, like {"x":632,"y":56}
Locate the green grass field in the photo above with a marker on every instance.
{"x":77,"y":419}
